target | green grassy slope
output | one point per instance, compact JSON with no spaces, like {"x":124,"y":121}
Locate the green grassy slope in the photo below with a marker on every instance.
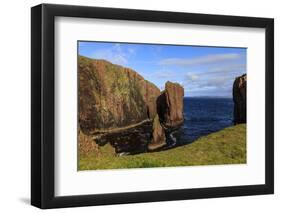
{"x":227,"y":146}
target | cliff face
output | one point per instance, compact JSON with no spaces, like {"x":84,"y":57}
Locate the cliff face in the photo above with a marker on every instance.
{"x":111,"y":96}
{"x":240,"y":99}
{"x":152,"y":93}
{"x":114,"y":99}
{"x":170,"y":105}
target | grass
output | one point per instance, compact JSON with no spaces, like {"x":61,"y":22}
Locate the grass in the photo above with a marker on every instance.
{"x":227,"y":146}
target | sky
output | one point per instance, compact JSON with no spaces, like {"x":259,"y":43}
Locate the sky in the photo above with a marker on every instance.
{"x":201,"y":70}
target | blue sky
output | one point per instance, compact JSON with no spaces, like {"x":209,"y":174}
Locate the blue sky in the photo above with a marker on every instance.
{"x":202,"y":71}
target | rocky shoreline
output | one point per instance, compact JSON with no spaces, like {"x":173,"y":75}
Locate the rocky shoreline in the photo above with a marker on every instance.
{"x":227,"y":146}
{"x":117,"y":106}
{"x":134,"y":140}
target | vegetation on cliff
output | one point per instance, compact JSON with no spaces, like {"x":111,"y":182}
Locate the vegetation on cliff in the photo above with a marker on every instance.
{"x":112,"y":96}
{"x":227,"y":146}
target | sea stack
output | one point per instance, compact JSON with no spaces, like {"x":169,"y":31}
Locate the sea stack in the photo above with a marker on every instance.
{"x":169,"y":114}
{"x":240,"y":99}
{"x":170,"y":105}
{"x":158,"y":135}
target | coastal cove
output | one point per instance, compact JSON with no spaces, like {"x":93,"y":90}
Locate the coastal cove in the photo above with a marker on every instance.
{"x":202,"y":116}
{"x":227,"y":146}
{"x":125,"y":121}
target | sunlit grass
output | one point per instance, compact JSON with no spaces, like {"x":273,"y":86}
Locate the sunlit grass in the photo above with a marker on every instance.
{"x":227,"y":146}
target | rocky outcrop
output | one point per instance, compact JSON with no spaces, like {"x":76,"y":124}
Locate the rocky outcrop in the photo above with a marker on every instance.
{"x":152,"y":93}
{"x":117,"y":103}
{"x":170,"y":105}
{"x":158,"y":135}
{"x":240,"y":99}
{"x":169,"y":114}
{"x":86,"y":144}
{"x":111,"y":96}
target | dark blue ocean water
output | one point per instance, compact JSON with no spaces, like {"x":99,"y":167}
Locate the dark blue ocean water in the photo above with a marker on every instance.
{"x":203,"y":116}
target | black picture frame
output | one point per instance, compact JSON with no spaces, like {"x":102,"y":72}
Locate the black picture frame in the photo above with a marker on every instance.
{"x":43,"y":102}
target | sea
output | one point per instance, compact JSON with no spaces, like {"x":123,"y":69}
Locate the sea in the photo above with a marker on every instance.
{"x":202,"y":116}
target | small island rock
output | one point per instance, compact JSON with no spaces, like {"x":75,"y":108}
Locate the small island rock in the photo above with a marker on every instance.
{"x":240,"y":99}
{"x":170,"y":105}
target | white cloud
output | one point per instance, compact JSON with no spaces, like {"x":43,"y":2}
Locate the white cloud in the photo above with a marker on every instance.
{"x":213,"y":79}
{"x":227,"y":68}
{"x":131,"y":50}
{"x":166,"y":74}
{"x":119,"y":59}
{"x":217,"y":70}
{"x":192,"y":76}
{"x":204,"y":60}
{"x":115,"y":54}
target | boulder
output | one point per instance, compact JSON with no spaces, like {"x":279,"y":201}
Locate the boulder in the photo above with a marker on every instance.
{"x":170,"y":105}
{"x":240,"y":99}
{"x":158,"y":135}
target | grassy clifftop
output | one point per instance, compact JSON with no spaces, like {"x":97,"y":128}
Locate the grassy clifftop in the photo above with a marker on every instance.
{"x":227,"y":146}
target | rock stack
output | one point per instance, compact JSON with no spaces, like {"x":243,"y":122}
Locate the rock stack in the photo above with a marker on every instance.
{"x":240,"y":99}
{"x":169,"y":114}
{"x":170,"y":105}
{"x":158,"y":135}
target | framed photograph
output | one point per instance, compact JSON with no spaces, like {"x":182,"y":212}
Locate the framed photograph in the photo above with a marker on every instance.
{"x":139,"y":106}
